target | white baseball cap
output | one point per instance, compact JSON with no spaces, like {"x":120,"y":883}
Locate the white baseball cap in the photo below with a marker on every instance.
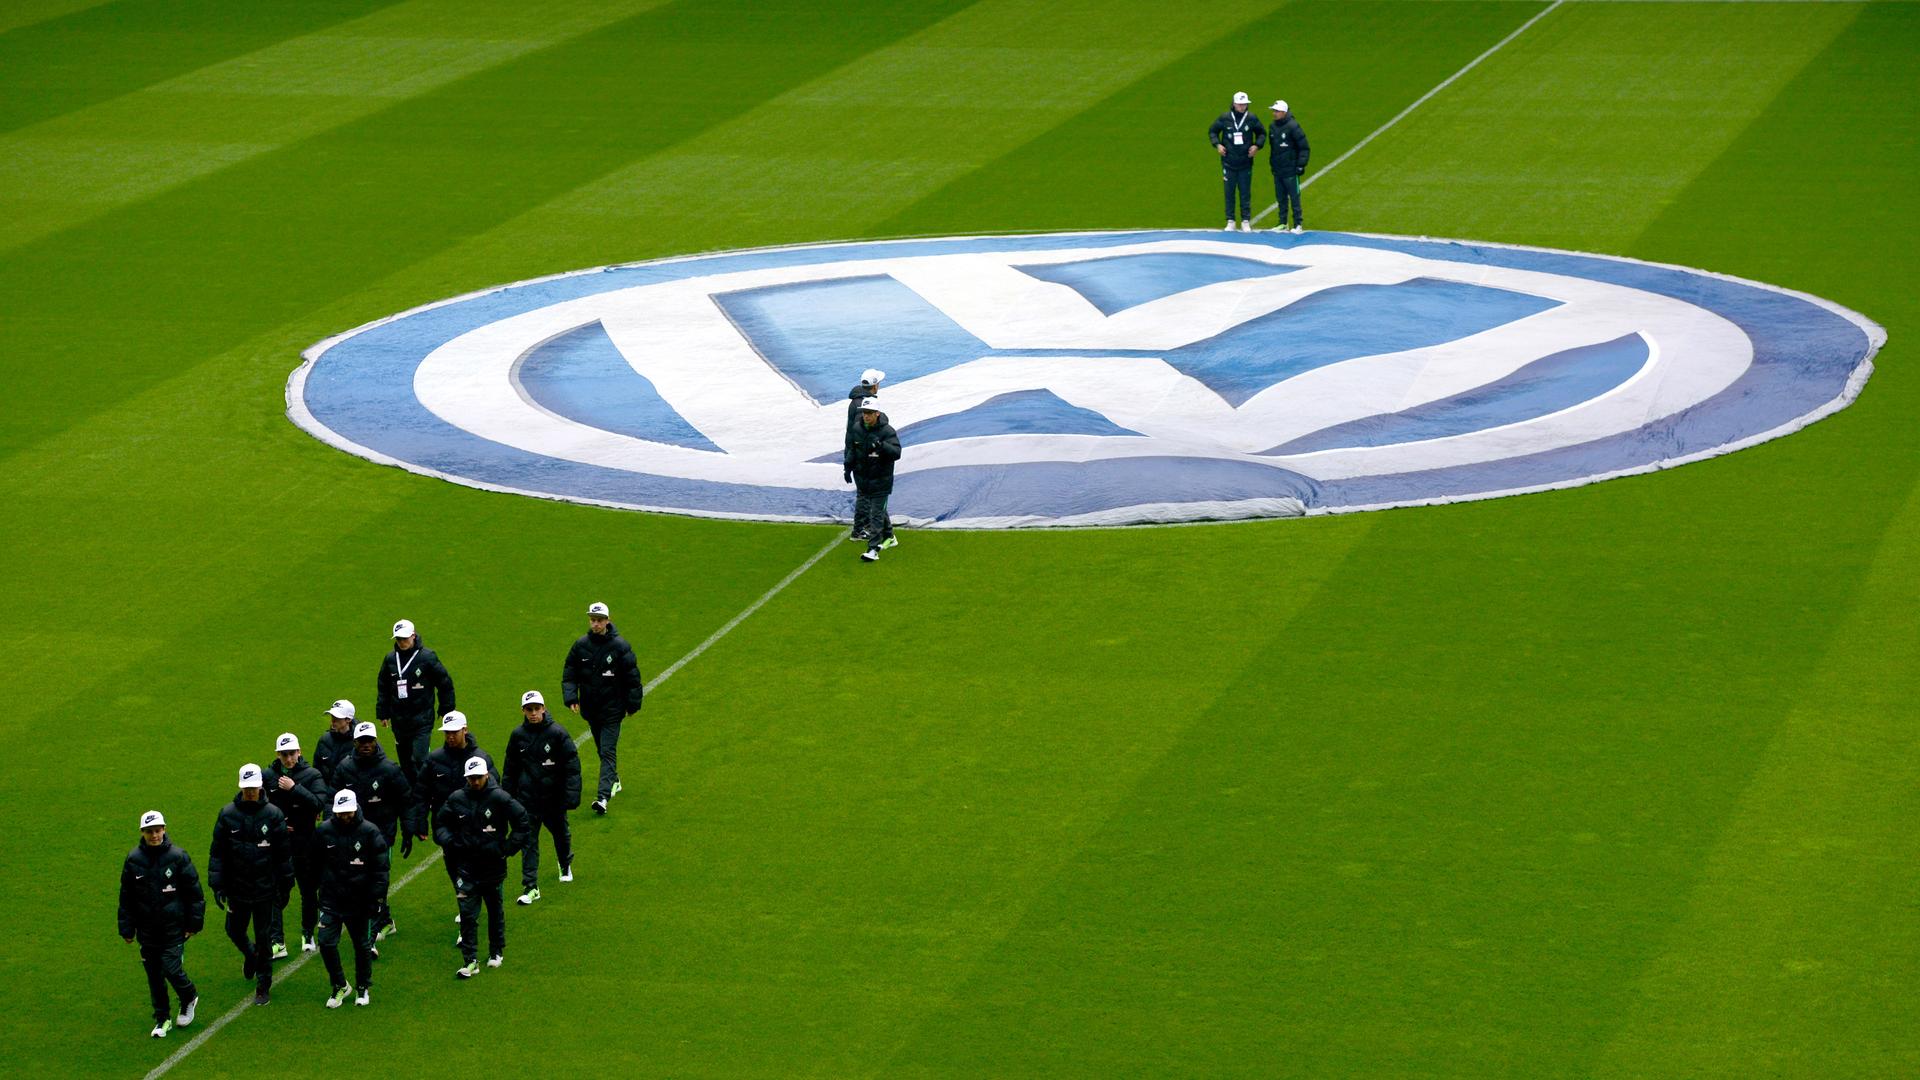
{"x":346,"y":802}
{"x":872,"y":376}
{"x":342,"y":709}
{"x":249,"y":775}
{"x":403,"y":628}
{"x":453,"y":721}
{"x":365,"y":730}
{"x":869,"y":404}
{"x":1241,"y":98}
{"x":287,"y":741}
{"x":531,"y":697}
{"x":1280,"y":106}
{"x":476,"y":766}
{"x":600,"y":609}
{"x":151,"y":818}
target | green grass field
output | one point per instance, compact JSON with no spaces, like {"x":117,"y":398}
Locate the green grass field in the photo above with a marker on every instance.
{"x":1611,"y":782}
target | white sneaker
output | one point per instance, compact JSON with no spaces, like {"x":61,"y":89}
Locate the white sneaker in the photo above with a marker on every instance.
{"x":1229,"y":227}
{"x":566,"y":873}
{"x":467,"y":970}
{"x":529,"y":896}
{"x":870,"y":555}
{"x":186,"y":1012}
{"x":160,"y":1029}
{"x":365,"y":997}
{"x":1297,"y":230}
{"x":456,"y":918}
{"x":337,"y":998}
{"x":1246,"y":226}
{"x":307,"y":944}
{"x":496,"y":960}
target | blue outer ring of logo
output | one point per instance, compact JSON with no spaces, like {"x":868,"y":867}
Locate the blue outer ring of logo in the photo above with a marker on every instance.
{"x":1811,"y":358}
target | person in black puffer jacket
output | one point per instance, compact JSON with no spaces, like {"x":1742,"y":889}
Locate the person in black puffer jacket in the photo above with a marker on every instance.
{"x":543,"y":773}
{"x":867,"y":387}
{"x":161,"y":906}
{"x":250,"y":870}
{"x":440,"y":776}
{"x":336,"y":743}
{"x":384,"y":795}
{"x":353,"y":893}
{"x":479,"y":827}
{"x":411,"y":680}
{"x":601,"y":682}
{"x":1288,"y":160}
{"x":302,"y":794}
{"x":871,"y":454}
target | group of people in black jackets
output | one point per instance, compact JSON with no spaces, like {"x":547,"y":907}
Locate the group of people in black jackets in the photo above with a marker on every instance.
{"x":324,"y":828}
{"x":1239,"y":136}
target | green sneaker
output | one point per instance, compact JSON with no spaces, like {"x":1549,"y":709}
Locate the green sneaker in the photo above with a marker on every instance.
{"x":279,"y":950}
{"x":160,"y":1029}
{"x":616,"y":789}
{"x":529,"y":896}
{"x":890,"y":542}
{"x":337,"y":998}
{"x":469,"y":970}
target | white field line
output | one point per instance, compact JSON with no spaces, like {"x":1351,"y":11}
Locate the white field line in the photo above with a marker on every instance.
{"x":1423,"y":99}
{"x":287,"y":971}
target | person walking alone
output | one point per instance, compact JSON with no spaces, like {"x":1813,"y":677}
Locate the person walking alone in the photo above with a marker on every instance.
{"x":543,"y":774}
{"x":601,"y":682}
{"x":161,"y":906}
{"x":1237,"y":136}
{"x":1287,"y":153}
{"x":868,"y":465}
{"x":250,"y":872}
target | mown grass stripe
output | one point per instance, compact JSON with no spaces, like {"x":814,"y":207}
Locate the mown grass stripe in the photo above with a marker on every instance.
{"x":69,"y":62}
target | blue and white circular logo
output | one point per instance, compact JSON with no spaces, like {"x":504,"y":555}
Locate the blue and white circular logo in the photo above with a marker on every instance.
{"x":1086,"y":379}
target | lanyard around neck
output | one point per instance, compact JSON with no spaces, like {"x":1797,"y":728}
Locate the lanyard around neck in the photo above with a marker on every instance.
{"x":403,"y":667}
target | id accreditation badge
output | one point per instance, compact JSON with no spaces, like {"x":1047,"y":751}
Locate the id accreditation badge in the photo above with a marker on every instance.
{"x":400,"y":689}
{"x":1239,"y":139}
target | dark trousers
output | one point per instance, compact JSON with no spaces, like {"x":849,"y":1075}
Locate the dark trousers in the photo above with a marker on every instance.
{"x":1286,"y":192}
{"x":261,"y":914}
{"x":382,"y":913}
{"x":471,"y":895}
{"x":554,"y":820}
{"x":358,"y":923}
{"x":870,"y":518}
{"x":1238,"y":182}
{"x":306,"y":878}
{"x":410,"y":745}
{"x":164,"y":961}
{"x":606,"y":739}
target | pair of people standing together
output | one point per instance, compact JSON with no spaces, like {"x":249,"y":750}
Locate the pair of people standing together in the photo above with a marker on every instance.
{"x":1239,"y":136}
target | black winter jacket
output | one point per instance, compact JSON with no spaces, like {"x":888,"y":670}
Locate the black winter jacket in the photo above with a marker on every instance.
{"x":854,"y":397}
{"x":440,"y":775}
{"x":1251,"y":131}
{"x":1289,"y":150}
{"x":479,"y":831}
{"x":381,"y":788}
{"x":160,"y":897}
{"x":426,"y":677}
{"x":251,"y":859}
{"x":543,"y":767}
{"x":303,"y":803}
{"x":602,"y":676}
{"x":330,"y":750}
{"x":871,"y":453}
{"x":353,"y":864}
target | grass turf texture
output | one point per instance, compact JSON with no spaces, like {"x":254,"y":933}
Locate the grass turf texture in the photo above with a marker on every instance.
{"x":1616,"y":781}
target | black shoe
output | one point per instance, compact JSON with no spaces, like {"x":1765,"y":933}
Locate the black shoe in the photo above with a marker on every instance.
{"x":246,"y":967}
{"x":261,"y":997}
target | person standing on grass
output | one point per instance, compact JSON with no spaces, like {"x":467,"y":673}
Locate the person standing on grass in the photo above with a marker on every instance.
{"x":867,"y":387}
{"x":302,"y":794}
{"x":1237,"y":136}
{"x":353,"y":894}
{"x":161,"y":906}
{"x":381,"y":794}
{"x":1287,"y":153}
{"x":601,"y":682}
{"x":336,"y":743}
{"x":478,"y":828}
{"x":250,"y":872}
{"x":871,"y":452}
{"x":440,"y":776}
{"x":543,"y":774}
{"x":411,"y":678}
